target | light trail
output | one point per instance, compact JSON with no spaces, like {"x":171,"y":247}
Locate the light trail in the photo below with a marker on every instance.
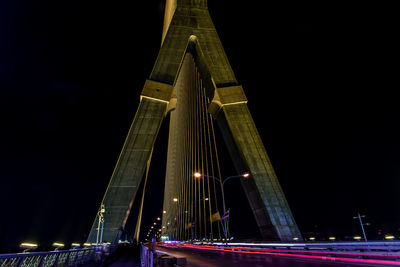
{"x":292,"y":254}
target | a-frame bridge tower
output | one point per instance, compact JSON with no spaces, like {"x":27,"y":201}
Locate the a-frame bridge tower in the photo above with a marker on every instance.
{"x":190,"y":36}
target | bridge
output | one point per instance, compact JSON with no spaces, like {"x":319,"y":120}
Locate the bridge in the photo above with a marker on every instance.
{"x":193,"y":86}
{"x":174,"y":253}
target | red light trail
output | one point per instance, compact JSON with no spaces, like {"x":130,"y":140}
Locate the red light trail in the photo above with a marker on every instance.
{"x":288,"y":253}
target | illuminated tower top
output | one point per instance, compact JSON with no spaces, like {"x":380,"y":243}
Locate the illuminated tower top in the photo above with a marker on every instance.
{"x":170,"y":7}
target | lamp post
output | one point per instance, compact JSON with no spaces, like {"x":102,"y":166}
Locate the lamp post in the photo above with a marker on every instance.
{"x":100,"y":214}
{"x":362,"y":224}
{"x":27,"y":246}
{"x":222,"y":182}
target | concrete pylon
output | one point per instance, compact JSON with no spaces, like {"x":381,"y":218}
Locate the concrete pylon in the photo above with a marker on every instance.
{"x":188,"y":28}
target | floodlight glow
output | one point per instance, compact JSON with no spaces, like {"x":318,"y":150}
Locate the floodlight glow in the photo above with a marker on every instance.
{"x":58,"y":245}
{"x":75,"y":244}
{"x":246,"y":174}
{"x":87,"y":244}
{"x":312,"y":238}
{"x":357,"y":237}
{"x":197,"y":174}
{"x":389,"y":237}
{"x":175,"y":199}
{"x":332,"y":238}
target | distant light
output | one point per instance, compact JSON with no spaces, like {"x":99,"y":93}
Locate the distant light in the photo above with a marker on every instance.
{"x":197,"y":174}
{"x":159,"y":230}
{"x":28,"y":245}
{"x":332,"y":238}
{"x":175,"y":199}
{"x":164,"y":211}
{"x":152,"y":227}
{"x":246,"y":174}
{"x":163,"y":227}
{"x":312,"y":238}
{"x":206,"y":199}
{"x":158,"y":218}
{"x":295,"y":238}
{"x":87,"y":244}
{"x":58,"y":245}
{"x":154,"y":223}
{"x":357,"y":237}
{"x":389,"y":237}
{"x":75,"y":244}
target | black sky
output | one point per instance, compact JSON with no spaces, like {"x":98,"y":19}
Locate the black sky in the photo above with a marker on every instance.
{"x":321,"y":80}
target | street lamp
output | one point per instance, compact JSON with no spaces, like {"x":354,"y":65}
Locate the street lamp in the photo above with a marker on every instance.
{"x":225,"y":216}
{"x":58,"y":245}
{"x":362,"y":224}
{"x":389,"y":237}
{"x":100,"y":214}
{"x":28,"y":246}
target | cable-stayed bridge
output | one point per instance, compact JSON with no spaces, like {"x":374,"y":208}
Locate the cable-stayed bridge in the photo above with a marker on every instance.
{"x":193,"y":85}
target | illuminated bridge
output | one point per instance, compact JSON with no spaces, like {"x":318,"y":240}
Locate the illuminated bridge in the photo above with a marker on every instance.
{"x":193,"y":86}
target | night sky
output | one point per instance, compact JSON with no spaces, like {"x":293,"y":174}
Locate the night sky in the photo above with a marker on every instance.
{"x":321,"y":80}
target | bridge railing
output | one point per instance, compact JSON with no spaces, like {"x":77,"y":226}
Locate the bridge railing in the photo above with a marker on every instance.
{"x":151,"y":258}
{"x":63,"y":258}
{"x":378,"y":246}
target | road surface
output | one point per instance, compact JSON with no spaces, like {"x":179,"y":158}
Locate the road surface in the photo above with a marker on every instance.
{"x":204,"y":258}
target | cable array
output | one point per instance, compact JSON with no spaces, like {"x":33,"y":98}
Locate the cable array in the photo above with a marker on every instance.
{"x":193,"y":181}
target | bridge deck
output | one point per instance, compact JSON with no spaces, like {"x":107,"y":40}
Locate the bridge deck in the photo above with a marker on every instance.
{"x":200,"y":258}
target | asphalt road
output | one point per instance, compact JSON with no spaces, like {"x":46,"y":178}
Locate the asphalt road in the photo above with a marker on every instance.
{"x":201,"y":258}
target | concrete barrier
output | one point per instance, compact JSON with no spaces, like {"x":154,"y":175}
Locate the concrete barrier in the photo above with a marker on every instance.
{"x":150,"y":258}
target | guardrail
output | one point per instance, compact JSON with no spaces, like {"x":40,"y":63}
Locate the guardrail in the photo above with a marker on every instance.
{"x":152,"y":258}
{"x":377,"y":253}
{"x":382,"y":246}
{"x":60,"y":258}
